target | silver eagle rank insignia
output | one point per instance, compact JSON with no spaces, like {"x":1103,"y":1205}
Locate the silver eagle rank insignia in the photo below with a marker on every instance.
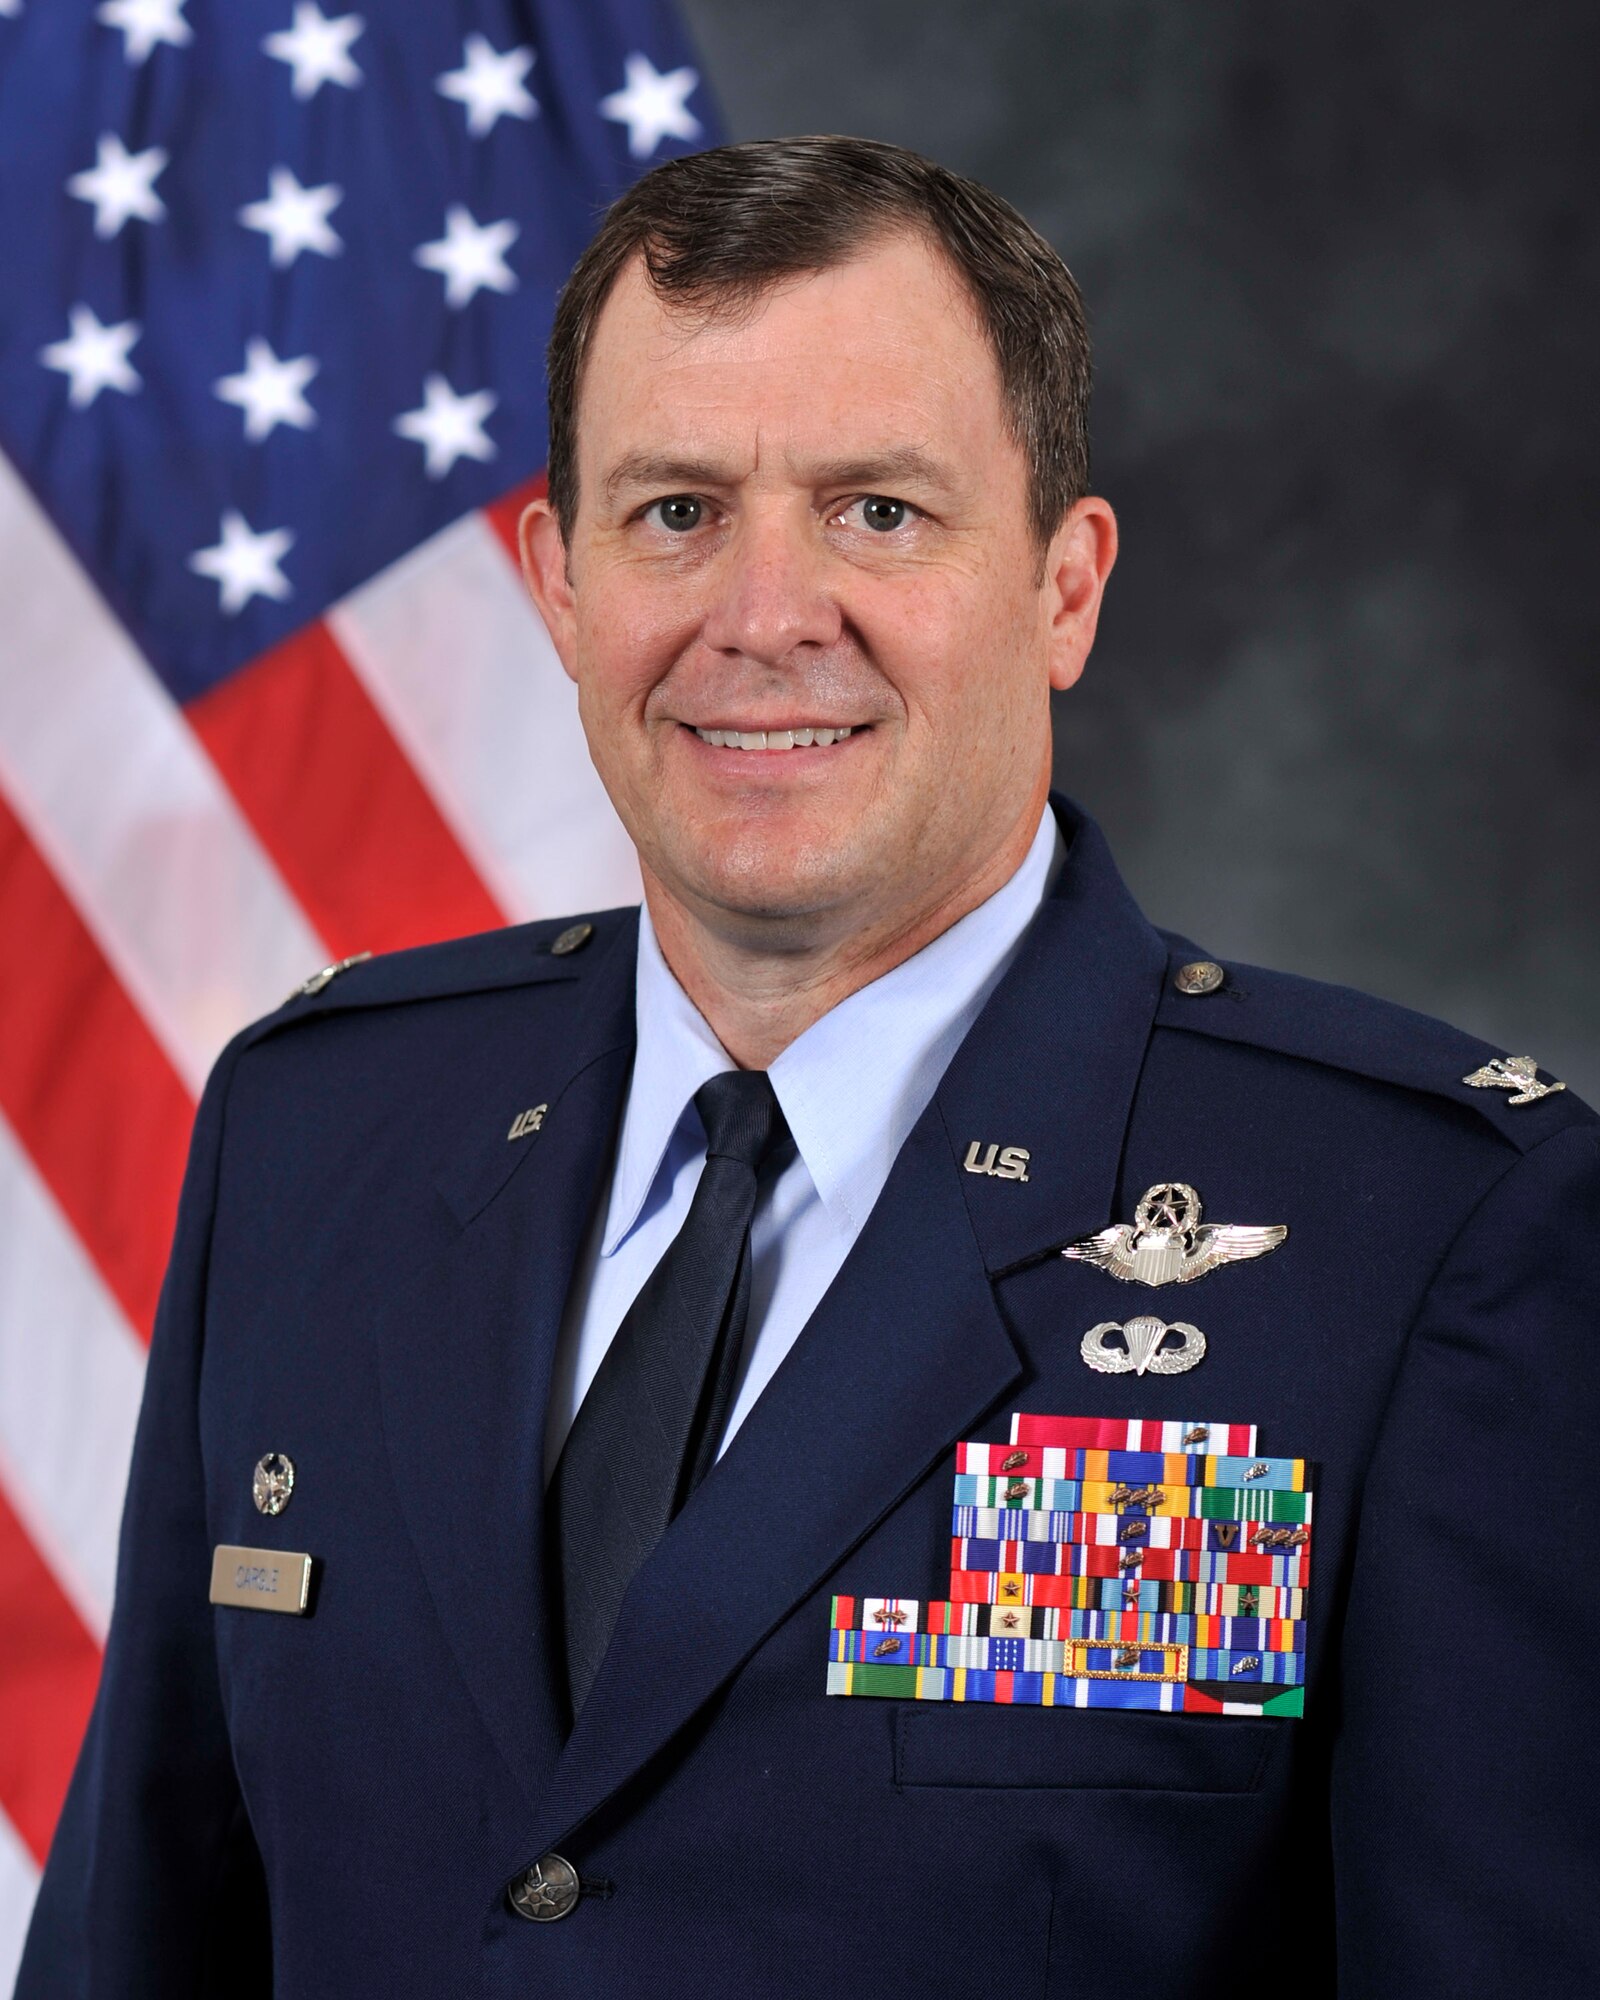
{"x":1167,"y":1244}
{"x":1518,"y":1073}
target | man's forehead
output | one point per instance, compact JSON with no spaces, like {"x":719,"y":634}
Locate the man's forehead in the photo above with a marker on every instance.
{"x":893,"y":284}
{"x":871,"y":354}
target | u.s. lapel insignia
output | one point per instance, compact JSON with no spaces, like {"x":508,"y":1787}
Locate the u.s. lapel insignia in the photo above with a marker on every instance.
{"x":1004,"y":1163}
{"x":1143,"y":1348}
{"x":1516,"y":1073}
{"x":1167,"y":1244}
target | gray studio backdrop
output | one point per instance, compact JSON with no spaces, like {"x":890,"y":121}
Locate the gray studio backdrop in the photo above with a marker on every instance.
{"x":1341,"y":268}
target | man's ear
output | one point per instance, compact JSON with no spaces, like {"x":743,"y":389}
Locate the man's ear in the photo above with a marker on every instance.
{"x":544,"y":571}
{"x":1077,"y":564}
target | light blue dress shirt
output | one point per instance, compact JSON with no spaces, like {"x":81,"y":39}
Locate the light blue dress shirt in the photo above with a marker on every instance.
{"x":851,"y":1087}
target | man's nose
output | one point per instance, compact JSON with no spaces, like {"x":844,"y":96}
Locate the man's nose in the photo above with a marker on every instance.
{"x":770,"y":590}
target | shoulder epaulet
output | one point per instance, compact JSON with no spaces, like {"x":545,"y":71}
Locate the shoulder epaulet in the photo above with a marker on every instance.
{"x":521,"y":955}
{"x":1345,"y":1029}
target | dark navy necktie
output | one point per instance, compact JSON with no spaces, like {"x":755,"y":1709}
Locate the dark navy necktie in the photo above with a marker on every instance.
{"x":647,"y":1431}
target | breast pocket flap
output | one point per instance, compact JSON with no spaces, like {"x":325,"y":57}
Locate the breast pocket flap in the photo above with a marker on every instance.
{"x":1091,"y":1749}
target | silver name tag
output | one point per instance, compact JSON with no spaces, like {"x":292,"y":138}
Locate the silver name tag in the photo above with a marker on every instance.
{"x":261,"y":1579}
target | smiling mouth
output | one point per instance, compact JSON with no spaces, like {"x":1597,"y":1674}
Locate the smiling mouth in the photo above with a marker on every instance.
{"x":811,"y":736}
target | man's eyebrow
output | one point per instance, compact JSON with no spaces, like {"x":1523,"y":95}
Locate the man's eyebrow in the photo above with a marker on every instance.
{"x":663,"y":472}
{"x":895,"y":465}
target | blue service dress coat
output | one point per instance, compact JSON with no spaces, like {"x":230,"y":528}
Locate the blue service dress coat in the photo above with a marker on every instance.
{"x":369,"y":1275}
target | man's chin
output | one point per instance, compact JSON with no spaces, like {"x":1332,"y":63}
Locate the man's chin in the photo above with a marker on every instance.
{"x":785,"y":896}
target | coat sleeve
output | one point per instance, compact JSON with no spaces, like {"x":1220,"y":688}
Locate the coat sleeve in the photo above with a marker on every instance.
{"x":1466,"y":1786}
{"x":153,"y":1884}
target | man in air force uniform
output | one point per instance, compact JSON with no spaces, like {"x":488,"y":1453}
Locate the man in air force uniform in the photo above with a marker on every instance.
{"x":723,"y":1545}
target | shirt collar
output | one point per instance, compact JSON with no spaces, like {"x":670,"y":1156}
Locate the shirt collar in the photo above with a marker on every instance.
{"x":853,"y":1085}
{"x":675,"y":1053}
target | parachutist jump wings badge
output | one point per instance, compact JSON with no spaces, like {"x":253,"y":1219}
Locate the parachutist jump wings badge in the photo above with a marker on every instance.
{"x":1518,"y":1073}
{"x":1143,"y":1347}
{"x":1167,"y":1244}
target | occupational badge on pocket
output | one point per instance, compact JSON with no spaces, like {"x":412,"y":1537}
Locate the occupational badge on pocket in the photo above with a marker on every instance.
{"x":1101,"y":1562}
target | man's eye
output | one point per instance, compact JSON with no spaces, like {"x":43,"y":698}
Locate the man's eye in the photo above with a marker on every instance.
{"x":882,"y":513}
{"x":679,"y":511}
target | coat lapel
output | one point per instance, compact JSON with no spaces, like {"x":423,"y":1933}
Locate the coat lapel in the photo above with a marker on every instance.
{"x":467,"y":1338}
{"x":908,"y":1350}
{"x":1053,"y":1063}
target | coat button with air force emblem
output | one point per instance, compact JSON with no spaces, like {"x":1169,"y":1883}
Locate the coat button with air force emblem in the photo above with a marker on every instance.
{"x":547,"y":1891}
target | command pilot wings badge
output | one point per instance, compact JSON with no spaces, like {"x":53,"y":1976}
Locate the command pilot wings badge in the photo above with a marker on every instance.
{"x":1167,"y":1244}
{"x":1518,"y":1073}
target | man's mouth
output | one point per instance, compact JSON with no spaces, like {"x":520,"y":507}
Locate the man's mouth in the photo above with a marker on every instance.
{"x":810,"y":736}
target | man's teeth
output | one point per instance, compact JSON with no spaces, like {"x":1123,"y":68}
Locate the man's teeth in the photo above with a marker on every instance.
{"x":771,"y":739}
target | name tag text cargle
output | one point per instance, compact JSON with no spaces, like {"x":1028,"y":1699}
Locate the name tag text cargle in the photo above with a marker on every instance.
{"x":261,"y":1579}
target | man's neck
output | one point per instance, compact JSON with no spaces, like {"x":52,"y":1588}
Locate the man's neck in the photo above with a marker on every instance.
{"x":759,"y":1001}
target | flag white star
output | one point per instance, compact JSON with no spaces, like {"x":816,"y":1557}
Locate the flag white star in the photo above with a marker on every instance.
{"x":12,"y":7}
{"x":95,"y":356}
{"x":295,"y":217}
{"x":143,"y":23}
{"x":470,"y":256}
{"x":270,"y":391}
{"x":318,"y":49}
{"x":449,"y":426}
{"x":121,"y":185}
{"x":489,"y":84}
{"x":652,"y":104}
{"x":244,"y":563}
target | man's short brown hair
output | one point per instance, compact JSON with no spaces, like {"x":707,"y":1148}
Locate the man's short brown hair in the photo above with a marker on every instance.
{"x":717,"y":229}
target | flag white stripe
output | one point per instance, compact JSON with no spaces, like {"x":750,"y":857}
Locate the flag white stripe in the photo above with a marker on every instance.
{"x":456,"y":659}
{"x":124,"y":804}
{"x":71,"y":1375}
{"x":19,"y":1884}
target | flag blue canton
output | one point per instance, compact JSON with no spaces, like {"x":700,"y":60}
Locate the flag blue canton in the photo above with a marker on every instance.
{"x":279,"y":279}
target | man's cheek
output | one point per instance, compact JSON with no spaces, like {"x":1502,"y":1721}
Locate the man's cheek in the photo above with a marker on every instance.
{"x":614,"y":673}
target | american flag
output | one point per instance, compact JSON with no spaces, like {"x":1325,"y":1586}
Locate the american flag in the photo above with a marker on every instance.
{"x":276,"y":287}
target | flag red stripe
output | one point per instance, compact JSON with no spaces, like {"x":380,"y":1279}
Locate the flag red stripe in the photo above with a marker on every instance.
{"x":87,"y":1088}
{"x":503,"y":514}
{"x":337,"y":803}
{"x":51,"y":1669}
